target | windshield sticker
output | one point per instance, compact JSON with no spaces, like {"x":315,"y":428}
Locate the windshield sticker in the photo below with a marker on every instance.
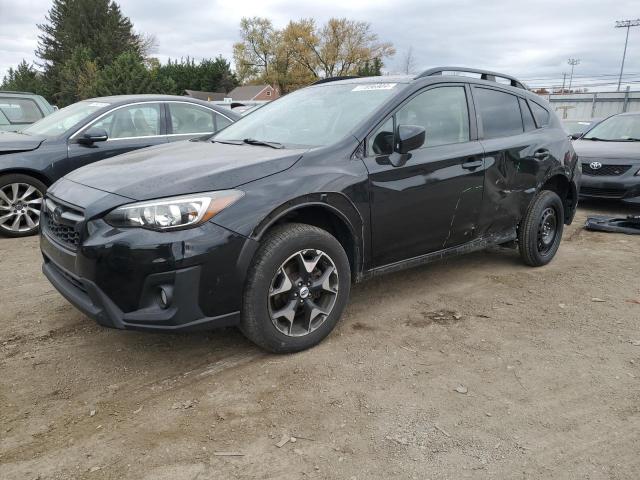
{"x":374,"y":86}
{"x":98,"y":104}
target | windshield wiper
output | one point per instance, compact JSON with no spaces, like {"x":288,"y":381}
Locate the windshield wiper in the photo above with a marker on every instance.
{"x":228,"y":142}
{"x":253,"y":141}
{"x":596,"y":139}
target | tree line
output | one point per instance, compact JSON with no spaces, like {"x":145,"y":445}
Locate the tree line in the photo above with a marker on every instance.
{"x":89,"y":48}
{"x":304,"y":51}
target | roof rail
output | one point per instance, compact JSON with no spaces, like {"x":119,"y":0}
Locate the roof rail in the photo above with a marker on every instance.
{"x":334,"y":79}
{"x":484,"y":75}
{"x":19,"y":93}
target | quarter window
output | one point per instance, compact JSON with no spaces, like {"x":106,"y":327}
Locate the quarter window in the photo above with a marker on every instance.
{"x":221,"y":122}
{"x":142,"y":120}
{"x":499,"y":112}
{"x":541,"y":114}
{"x":527,"y":118}
{"x":187,"y":119}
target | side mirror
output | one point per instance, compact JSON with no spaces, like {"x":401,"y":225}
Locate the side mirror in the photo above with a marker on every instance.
{"x":409,"y":137}
{"x":575,"y":136}
{"x":93,"y":135}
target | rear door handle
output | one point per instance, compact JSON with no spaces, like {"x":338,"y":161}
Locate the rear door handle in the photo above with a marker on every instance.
{"x":472,"y":164}
{"x":541,"y":154}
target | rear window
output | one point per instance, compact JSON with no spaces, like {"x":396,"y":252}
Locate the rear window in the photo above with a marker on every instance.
{"x":541,"y":114}
{"x":499,"y":112}
{"x":20,"y":111}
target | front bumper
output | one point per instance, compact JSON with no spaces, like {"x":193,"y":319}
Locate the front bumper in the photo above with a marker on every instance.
{"x":115,"y":275}
{"x":625,"y":187}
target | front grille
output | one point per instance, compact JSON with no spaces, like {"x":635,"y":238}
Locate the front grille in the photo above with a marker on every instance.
{"x":63,"y":222}
{"x":605,"y":170}
{"x":602,"y":192}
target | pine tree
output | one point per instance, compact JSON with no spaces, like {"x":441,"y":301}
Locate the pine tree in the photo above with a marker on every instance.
{"x":98,"y":26}
{"x":24,"y":78}
{"x":78,"y":77}
{"x":128,"y":75}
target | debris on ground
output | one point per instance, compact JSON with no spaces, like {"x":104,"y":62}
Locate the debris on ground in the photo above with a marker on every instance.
{"x":283,"y":441}
{"x":228,"y":454}
{"x":461,"y":389}
{"x":629,"y":225}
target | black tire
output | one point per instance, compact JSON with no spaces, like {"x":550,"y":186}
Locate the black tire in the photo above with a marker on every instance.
{"x":536,"y":246}
{"x":278,"y":247}
{"x":23,"y":229}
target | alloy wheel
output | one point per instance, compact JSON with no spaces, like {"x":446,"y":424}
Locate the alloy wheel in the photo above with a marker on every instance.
{"x":20,"y":207}
{"x":303,"y":292}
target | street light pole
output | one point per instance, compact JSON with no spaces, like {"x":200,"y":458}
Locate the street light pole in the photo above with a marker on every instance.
{"x":625,"y":24}
{"x":573,"y":62}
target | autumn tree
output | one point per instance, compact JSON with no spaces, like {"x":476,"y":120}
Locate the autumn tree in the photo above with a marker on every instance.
{"x":303,"y":52}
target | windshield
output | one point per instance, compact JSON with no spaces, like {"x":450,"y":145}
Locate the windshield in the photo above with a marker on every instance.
{"x":576,"y":126}
{"x":619,"y":128}
{"x":310,"y":117}
{"x":59,"y":122}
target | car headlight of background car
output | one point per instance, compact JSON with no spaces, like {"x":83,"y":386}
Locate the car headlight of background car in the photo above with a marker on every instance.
{"x":174,"y":212}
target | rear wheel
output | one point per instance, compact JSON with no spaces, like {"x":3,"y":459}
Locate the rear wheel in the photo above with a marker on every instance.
{"x":21,"y":198}
{"x":297,"y":288}
{"x":541,"y":229}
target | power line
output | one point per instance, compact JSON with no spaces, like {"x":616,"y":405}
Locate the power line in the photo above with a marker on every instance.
{"x":625,"y":24}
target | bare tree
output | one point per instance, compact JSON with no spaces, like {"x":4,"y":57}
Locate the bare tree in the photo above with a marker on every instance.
{"x":408,"y":61}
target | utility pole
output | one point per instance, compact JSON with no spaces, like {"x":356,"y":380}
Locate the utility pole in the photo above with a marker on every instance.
{"x":625,"y":24}
{"x":573,"y":62}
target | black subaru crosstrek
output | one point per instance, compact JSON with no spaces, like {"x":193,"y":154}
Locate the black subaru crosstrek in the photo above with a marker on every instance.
{"x":268,"y":223}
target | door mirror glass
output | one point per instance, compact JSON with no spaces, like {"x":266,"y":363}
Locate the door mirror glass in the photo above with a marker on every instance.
{"x":93,"y":135}
{"x":410,"y":137}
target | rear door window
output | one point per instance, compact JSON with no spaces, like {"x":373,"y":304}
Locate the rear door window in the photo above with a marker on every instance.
{"x":191,"y":119}
{"x":541,"y":114}
{"x":20,"y":111}
{"x":499,"y":112}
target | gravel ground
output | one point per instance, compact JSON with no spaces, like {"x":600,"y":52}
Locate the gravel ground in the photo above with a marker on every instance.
{"x":477,"y":367}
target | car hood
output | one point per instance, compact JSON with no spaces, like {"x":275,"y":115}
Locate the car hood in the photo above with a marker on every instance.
{"x":604,"y":150}
{"x":184,"y":167}
{"x":12,"y":142}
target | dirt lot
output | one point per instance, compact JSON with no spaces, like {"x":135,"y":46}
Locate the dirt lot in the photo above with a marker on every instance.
{"x":549,"y":359}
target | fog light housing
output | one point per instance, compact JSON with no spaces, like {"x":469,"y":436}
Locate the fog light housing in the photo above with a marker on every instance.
{"x":165,"y":297}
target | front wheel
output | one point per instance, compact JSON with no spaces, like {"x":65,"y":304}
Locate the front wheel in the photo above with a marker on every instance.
{"x":297,"y":288}
{"x":541,"y":229}
{"x":21,"y":198}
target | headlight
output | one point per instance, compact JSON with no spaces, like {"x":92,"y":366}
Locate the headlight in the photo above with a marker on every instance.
{"x":174,"y":212}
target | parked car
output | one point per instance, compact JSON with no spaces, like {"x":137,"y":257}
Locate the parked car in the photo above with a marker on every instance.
{"x":19,"y":109}
{"x":267,"y":225}
{"x":86,"y":132}
{"x":610,"y":158}
{"x":576,"y":128}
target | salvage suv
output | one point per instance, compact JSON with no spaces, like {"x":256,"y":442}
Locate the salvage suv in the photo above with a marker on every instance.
{"x":267,"y":224}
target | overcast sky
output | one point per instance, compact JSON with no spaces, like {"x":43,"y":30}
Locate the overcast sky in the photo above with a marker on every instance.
{"x":530,"y":39}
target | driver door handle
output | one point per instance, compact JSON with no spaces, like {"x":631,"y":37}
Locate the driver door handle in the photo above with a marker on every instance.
{"x":472,"y":164}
